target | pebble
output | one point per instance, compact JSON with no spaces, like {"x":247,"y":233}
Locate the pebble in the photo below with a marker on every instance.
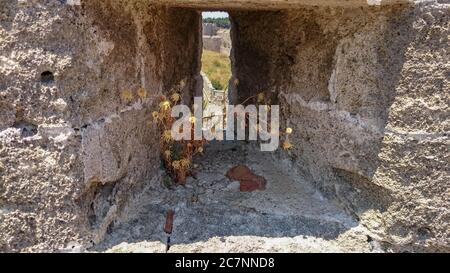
{"x":234,"y":186}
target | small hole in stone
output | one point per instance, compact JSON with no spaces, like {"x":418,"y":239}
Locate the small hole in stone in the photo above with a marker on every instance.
{"x":47,"y":77}
{"x":27,"y":129}
{"x":424,"y":233}
{"x":110,"y":228}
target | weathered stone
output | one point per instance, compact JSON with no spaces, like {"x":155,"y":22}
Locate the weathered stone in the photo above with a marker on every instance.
{"x":91,"y":151}
{"x":216,"y":39}
{"x":357,"y":86}
{"x":364,"y":85}
{"x":209,"y":29}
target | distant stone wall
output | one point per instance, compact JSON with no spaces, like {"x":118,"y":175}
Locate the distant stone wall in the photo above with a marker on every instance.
{"x":225,"y":47}
{"x":210,"y":29}
{"x":216,"y":39}
{"x":212,"y":43}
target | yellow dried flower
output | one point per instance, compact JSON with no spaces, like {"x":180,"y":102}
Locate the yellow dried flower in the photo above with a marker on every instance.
{"x":176,"y":97}
{"x":261,"y":97}
{"x":185,"y":163}
{"x":127,"y":96}
{"x":165,"y":105}
{"x":167,"y":136}
{"x":142,"y":93}
{"x":155,"y":116}
{"x":176,"y":165}
{"x":289,"y":130}
{"x":167,"y":154}
{"x":192,"y":119}
{"x":287,"y":145}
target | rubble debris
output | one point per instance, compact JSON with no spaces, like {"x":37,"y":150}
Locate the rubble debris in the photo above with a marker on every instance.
{"x":248,"y":180}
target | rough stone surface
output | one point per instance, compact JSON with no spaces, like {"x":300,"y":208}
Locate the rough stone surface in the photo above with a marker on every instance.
{"x":278,"y":4}
{"x":367,"y":93}
{"x":364,"y":85}
{"x":209,"y":29}
{"x":73,"y":152}
{"x":216,"y":39}
{"x":290,"y":215}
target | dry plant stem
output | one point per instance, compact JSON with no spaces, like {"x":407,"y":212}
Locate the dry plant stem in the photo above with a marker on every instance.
{"x":177,"y":156}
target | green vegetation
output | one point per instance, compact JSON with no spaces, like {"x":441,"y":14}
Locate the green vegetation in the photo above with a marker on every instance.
{"x":217,"y":85}
{"x":220,"y":22}
{"x":217,"y":67}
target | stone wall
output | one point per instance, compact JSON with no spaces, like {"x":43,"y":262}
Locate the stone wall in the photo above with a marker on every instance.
{"x":75,"y":148}
{"x":277,"y":4}
{"x":365,"y":89}
{"x":367,"y":93}
{"x":209,"y":29}
{"x":216,"y":39}
{"x":212,"y":43}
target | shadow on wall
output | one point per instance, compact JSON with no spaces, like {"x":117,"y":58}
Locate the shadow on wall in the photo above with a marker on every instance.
{"x":334,"y":71}
{"x":208,"y":207}
{"x":336,"y":82}
{"x":356,"y":186}
{"x":335,"y":75}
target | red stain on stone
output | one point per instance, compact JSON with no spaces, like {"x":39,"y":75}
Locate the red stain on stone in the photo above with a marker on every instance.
{"x":248,"y":180}
{"x":169,"y":222}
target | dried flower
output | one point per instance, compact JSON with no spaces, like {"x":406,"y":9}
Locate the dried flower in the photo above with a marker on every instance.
{"x":142,"y":93}
{"x":185,"y":163}
{"x":176,"y":165}
{"x":289,"y":130}
{"x":167,"y":136}
{"x":261,"y":97}
{"x":287,"y":145}
{"x":165,"y":105}
{"x":176,"y":97}
{"x":155,"y":116}
{"x":167,"y":155}
{"x":127,"y":95}
{"x":192,"y":119}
